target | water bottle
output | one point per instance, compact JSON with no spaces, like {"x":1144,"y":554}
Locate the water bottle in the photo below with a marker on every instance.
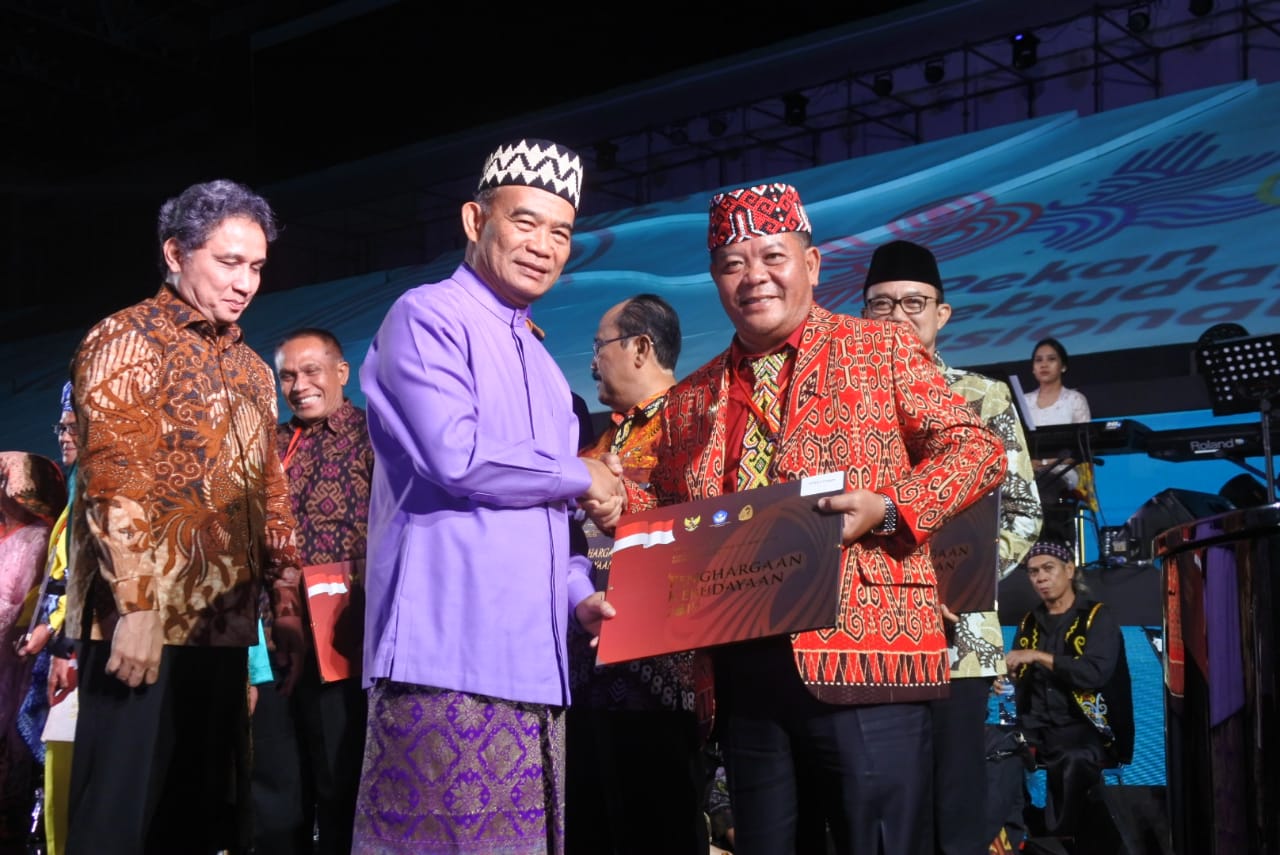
{"x":1008,"y":706}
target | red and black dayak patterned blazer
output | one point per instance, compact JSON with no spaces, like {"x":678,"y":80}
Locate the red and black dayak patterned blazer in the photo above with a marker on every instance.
{"x":864,"y":399}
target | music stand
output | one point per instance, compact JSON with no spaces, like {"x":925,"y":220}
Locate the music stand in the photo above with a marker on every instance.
{"x":1243,"y":374}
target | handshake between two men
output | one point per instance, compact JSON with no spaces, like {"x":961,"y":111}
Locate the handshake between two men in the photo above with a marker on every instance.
{"x":606,"y":500}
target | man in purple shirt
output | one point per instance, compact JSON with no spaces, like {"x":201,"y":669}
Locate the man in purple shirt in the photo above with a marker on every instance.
{"x":469,"y":581}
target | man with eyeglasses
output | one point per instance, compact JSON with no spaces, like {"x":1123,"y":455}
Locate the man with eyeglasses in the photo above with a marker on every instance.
{"x":65,"y":433}
{"x":903,"y":284}
{"x":632,"y":733}
{"x":826,"y":730}
{"x":53,"y":677}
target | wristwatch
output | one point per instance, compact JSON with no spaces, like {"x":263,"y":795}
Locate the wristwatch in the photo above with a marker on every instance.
{"x":890,"y":524}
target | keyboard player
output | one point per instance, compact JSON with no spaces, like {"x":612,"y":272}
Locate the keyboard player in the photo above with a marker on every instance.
{"x":1064,"y":481}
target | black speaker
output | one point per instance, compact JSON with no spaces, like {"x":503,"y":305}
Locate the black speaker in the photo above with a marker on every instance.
{"x":1168,"y":509}
{"x":1244,"y":491}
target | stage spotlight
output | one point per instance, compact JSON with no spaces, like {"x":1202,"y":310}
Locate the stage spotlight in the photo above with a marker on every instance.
{"x":1024,"y":49}
{"x":934,"y":71}
{"x":795,"y":108}
{"x":1200,"y":8}
{"x":883,"y":84}
{"x":716,"y":126}
{"x":606,"y":155}
{"x":1139,"y":20}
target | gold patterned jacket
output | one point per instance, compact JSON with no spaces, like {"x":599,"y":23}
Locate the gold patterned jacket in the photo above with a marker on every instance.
{"x":977,"y":641}
{"x":660,"y":682}
{"x":182,"y":504}
{"x":864,"y":398}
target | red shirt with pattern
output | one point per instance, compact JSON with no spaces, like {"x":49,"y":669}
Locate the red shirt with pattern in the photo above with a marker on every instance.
{"x":863,"y":398}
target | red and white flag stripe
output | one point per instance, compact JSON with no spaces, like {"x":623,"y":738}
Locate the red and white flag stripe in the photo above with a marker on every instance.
{"x":331,"y":584}
{"x":644,"y":534}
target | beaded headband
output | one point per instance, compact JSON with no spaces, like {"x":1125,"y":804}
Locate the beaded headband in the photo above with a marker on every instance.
{"x":1060,"y":551}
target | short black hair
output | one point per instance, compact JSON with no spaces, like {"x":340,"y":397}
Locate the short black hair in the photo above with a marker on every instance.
{"x":324,"y":335}
{"x":649,"y":314}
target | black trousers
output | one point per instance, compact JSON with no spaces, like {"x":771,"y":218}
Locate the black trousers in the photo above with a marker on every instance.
{"x":635,"y":783}
{"x":163,"y":768}
{"x":279,"y":816}
{"x":1073,"y":756}
{"x":307,"y":753}
{"x":960,"y":816}
{"x":801,"y":772}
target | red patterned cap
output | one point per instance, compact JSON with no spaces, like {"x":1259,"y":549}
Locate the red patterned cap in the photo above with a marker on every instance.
{"x":766,"y":209}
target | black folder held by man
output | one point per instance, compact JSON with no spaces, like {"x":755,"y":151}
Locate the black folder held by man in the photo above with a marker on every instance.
{"x":758,"y":563}
{"x":728,"y":568}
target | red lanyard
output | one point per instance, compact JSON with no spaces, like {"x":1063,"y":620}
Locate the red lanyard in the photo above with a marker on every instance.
{"x":293,"y":447}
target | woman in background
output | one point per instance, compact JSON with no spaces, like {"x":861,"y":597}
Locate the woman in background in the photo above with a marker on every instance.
{"x":32,"y":492}
{"x":1053,"y":403}
{"x":53,"y":677}
{"x":1063,"y":483}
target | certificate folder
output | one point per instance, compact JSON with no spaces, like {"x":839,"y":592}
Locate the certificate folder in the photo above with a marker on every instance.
{"x":966,"y":556}
{"x":335,"y":605}
{"x":729,"y":568}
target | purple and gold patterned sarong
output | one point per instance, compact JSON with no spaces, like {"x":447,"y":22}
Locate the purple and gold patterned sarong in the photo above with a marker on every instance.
{"x":458,"y":773}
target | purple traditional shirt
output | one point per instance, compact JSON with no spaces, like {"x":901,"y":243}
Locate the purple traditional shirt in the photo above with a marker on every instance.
{"x":469,"y":581}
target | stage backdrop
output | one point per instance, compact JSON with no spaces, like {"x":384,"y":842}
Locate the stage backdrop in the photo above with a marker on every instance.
{"x":1136,"y":228}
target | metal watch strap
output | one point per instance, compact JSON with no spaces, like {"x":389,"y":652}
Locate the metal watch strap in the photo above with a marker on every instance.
{"x":890,"y":523}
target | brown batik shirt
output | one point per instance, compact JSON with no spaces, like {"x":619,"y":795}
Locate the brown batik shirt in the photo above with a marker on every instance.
{"x":182,"y":505}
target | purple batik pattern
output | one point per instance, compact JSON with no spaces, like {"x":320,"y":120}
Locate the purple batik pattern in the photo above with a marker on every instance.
{"x":452,"y":772}
{"x":330,"y":472}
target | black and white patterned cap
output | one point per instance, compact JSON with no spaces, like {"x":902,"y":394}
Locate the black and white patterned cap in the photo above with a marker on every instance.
{"x":535,"y":163}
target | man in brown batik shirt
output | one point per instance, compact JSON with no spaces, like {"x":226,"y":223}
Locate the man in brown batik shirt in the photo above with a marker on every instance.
{"x":182,"y":517}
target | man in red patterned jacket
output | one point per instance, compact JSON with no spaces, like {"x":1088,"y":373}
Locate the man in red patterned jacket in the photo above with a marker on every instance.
{"x":826,"y":732}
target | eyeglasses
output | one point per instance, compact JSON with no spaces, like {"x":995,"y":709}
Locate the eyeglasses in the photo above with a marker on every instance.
{"x":882,"y":307}
{"x":597,"y":343}
{"x":59,"y":429}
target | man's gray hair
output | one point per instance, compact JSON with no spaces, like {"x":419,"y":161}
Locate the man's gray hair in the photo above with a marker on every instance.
{"x":196,"y":213}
